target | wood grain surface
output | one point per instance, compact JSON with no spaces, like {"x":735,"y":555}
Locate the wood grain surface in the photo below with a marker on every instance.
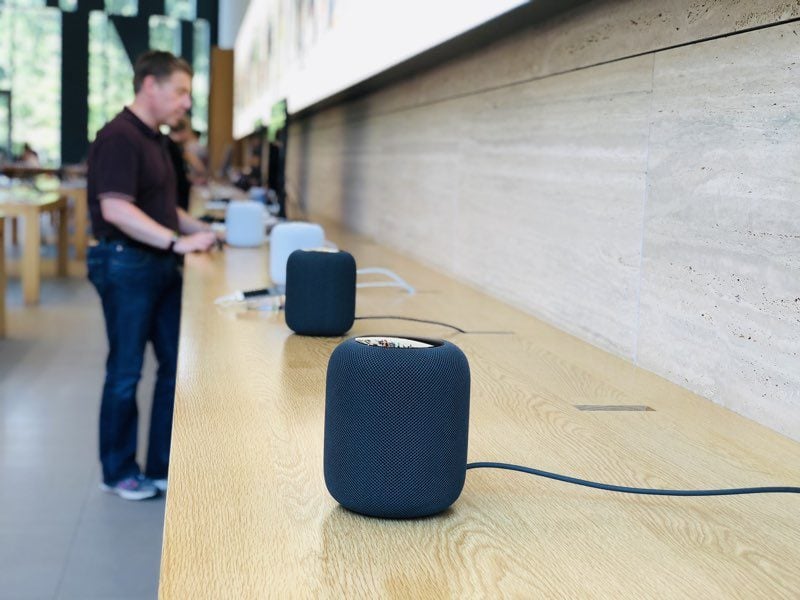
{"x":248,"y":515}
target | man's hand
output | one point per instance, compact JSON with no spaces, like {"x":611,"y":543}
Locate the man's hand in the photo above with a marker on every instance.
{"x":202,"y":241}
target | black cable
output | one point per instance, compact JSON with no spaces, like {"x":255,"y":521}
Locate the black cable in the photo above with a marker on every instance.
{"x":630,"y":490}
{"x":458,"y":329}
{"x":248,"y":294}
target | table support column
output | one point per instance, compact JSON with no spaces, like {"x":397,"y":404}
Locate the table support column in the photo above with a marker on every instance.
{"x":81,"y":222}
{"x":31,"y":260}
{"x":63,"y":238}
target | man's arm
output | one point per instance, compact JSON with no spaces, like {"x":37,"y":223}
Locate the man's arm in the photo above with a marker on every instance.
{"x":188,"y":224}
{"x":129,"y":219}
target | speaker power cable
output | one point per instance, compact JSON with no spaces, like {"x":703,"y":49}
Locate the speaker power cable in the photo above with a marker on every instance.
{"x":633,"y":490}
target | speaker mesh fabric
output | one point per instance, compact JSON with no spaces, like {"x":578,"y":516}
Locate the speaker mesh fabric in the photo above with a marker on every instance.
{"x":396,"y":427}
{"x":320,"y":292}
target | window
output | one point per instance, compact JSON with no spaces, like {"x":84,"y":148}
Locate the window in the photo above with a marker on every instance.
{"x":201,"y":60}
{"x":181,"y":9}
{"x":110,"y":73}
{"x":30,"y":68}
{"x":6,"y":29}
{"x":31,"y":72}
{"x":165,"y":34}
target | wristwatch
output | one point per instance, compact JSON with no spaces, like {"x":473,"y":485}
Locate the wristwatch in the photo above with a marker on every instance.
{"x":175,"y":238}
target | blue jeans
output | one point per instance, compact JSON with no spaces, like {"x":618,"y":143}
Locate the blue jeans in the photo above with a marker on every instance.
{"x":140,"y":290}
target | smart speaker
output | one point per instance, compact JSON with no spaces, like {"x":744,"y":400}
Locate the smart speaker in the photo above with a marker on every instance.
{"x":244,"y":223}
{"x":396,"y":424}
{"x":320,"y":291}
{"x":285,"y":238}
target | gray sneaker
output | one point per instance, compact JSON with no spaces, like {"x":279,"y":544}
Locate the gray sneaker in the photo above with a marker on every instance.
{"x":138,"y":487}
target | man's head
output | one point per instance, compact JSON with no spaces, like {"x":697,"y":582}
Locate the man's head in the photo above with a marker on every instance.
{"x":163,"y":86}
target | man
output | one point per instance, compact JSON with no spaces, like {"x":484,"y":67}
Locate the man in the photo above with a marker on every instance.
{"x":134,"y":267}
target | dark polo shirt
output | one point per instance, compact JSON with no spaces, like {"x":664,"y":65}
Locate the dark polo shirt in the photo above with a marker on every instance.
{"x":129,"y":160}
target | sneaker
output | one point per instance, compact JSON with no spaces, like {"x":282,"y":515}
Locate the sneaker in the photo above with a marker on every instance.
{"x":138,"y":487}
{"x":161,"y":484}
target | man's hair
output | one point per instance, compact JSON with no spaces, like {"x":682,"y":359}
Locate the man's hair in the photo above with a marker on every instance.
{"x":160,"y":65}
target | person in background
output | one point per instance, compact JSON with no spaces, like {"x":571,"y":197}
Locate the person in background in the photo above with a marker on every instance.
{"x":29,"y":156}
{"x":251,"y":174}
{"x":196,"y":155}
{"x":175,"y":141}
{"x":192,"y":151}
{"x":140,"y":229}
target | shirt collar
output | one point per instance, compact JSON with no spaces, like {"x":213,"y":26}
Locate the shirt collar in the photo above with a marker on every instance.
{"x":146,"y":129}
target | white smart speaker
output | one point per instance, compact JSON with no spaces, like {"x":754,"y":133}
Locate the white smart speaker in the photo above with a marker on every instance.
{"x":244,"y":224}
{"x":284,"y":239}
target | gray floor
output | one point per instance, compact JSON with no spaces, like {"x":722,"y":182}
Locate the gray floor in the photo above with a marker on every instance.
{"x":60,"y":536}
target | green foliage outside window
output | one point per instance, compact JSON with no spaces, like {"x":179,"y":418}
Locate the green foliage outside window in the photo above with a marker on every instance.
{"x":181,"y":9}
{"x":200,"y":82}
{"x":126,"y":8}
{"x":110,"y":73}
{"x":165,"y":34}
{"x":30,"y":68}
{"x":23,"y":3}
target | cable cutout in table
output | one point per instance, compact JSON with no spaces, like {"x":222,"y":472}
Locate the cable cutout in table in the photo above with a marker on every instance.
{"x":632,"y":490}
{"x":430,"y":322}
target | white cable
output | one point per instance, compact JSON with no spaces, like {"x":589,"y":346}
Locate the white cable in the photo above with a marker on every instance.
{"x":230,"y":299}
{"x":264,"y":302}
{"x":397,"y":281}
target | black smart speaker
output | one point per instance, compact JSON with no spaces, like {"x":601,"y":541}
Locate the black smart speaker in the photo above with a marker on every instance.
{"x":396,"y":425}
{"x":320,"y":292}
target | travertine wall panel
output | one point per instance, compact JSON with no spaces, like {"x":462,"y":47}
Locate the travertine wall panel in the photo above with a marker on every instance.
{"x":721,"y":270}
{"x":647,"y":205}
{"x":550,"y":201}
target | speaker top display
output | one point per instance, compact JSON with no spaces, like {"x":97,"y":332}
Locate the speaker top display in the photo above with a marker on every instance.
{"x":383,"y":341}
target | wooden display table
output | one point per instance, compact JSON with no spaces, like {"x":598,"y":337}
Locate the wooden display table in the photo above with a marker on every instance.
{"x":248,"y":515}
{"x":80,"y":223}
{"x":17,"y":171}
{"x":69,"y":180}
{"x":30,"y":204}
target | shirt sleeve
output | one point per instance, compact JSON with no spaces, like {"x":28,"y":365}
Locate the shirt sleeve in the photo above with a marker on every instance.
{"x":117,"y":164}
